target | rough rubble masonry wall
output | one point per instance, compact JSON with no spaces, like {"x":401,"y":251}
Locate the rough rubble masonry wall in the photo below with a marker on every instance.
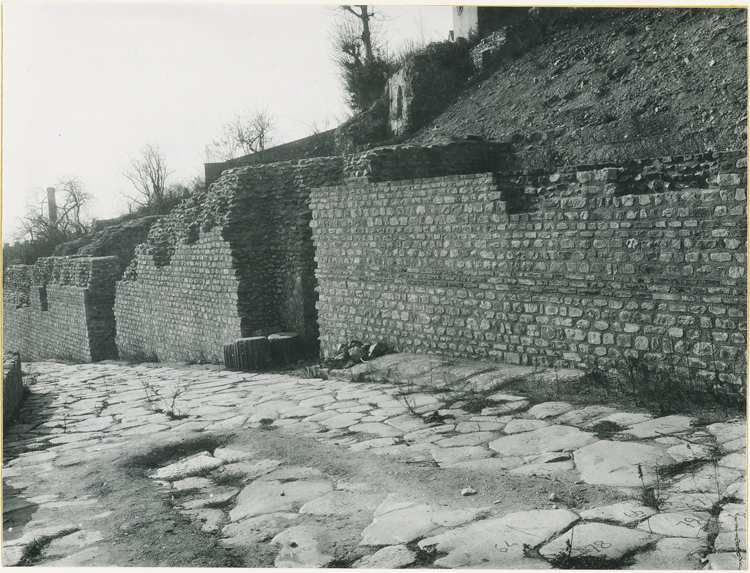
{"x":12,"y":386}
{"x":560,"y":268}
{"x":240,"y":260}
{"x":236,"y":262}
{"x":61,"y":307}
{"x":181,"y":311}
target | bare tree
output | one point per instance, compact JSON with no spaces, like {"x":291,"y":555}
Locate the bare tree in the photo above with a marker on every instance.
{"x":148,"y":174}
{"x":361,"y":56}
{"x":245,"y":134}
{"x":40,"y":231}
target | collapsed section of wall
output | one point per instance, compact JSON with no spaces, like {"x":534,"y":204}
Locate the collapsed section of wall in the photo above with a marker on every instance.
{"x":558,"y":268}
{"x":61,"y":308}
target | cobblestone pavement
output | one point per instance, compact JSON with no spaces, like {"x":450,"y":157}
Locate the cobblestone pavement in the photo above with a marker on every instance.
{"x":77,"y":413}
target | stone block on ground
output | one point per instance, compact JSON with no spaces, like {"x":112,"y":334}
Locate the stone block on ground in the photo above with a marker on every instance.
{"x":284,"y":348}
{"x":251,"y":354}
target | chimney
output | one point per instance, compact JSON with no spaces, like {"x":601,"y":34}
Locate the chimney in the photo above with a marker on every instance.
{"x":52,"y":206}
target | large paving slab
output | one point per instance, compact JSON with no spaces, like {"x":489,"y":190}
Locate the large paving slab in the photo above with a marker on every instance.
{"x":400,"y":526}
{"x":498,"y":543}
{"x":598,"y":540}
{"x":275,"y":497}
{"x":548,"y":439}
{"x":621,"y":463}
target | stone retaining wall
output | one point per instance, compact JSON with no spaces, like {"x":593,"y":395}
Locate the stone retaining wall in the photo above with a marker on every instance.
{"x":239,"y":261}
{"x":61,"y":308}
{"x":560,"y":267}
{"x":12,"y":386}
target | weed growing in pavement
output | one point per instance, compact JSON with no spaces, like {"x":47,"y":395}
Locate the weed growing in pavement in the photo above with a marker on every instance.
{"x":165,"y":404}
{"x":582,"y":560}
{"x":267,"y":424}
{"x":34,"y":550}
{"x":651,"y":496}
{"x":166,"y":453}
{"x":605,"y":429}
{"x":228,"y":478}
{"x":219,"y":504}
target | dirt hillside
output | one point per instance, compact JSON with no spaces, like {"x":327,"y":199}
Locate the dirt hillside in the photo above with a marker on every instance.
{"x":611,"y":85}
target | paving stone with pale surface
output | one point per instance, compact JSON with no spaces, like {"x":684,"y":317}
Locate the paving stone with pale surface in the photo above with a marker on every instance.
{"x":77,"y":412}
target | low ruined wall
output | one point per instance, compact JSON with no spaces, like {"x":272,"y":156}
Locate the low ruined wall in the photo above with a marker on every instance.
{"x":12,"y":386}
{"x":182,"y":311}
{"x":61,"y":308}
{"x":561,"y":267}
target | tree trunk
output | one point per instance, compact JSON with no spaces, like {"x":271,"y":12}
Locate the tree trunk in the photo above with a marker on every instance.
{"x":248,"y":354}
{"x":366,"y":40}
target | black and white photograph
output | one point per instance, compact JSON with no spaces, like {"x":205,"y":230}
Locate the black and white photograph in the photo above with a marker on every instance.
{"x":392,"y":286}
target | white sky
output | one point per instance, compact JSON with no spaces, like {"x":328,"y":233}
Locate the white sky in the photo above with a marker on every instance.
{"x":85,"y":86}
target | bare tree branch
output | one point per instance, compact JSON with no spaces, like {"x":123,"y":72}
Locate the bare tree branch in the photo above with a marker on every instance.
{"x":148,"y":174}
{"x":245,"y":134}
